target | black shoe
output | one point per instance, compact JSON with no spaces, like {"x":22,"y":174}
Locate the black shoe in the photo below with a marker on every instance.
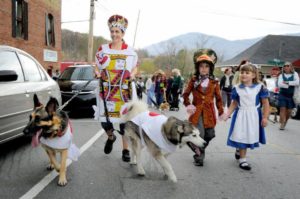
{"x":245,"y":166}
{"x":126,"y":155}
{"x":237,"y":155}
{"x":198,"y":161}
{"x":109,"y":144}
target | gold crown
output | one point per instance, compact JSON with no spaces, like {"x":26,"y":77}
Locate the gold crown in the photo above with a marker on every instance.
{"x":118,"y":21}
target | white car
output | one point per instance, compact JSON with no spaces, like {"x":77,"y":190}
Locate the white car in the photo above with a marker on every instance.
{"x":21,"y":76}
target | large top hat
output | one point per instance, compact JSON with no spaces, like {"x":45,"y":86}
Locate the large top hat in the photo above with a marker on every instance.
{"x":118,"y":21}
{"x":205,"y":55}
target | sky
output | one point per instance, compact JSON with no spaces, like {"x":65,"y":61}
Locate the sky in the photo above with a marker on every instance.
{"x":163,"y":19}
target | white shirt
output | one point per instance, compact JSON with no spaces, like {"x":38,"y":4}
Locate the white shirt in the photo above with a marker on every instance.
{"x":148,"y":83}
{"x":295,"y":82}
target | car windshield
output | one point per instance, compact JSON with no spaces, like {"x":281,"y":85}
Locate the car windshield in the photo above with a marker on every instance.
{"x":77,"y":73}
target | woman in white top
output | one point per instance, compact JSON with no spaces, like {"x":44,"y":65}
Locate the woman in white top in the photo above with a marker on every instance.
{"x":116,"y":67}
{"x":287,"y":81}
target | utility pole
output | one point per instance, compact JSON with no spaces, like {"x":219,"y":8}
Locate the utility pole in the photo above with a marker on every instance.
{"x":136,"y":27}
{"x":91,"y":32}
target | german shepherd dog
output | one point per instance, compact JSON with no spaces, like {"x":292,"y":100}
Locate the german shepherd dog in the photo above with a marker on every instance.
{"x":161,"y":140}
{"x":52,"y":129}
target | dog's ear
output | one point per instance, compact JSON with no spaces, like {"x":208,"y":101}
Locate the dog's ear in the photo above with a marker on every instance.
{"x":180,"y":128}
{"x":52,"y":105}
{"x":36,"y":101}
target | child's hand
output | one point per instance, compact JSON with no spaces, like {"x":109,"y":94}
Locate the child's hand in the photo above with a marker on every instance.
{"x":190,"y":109}
{"x":264,"y":122}
{"x":224,"y":117}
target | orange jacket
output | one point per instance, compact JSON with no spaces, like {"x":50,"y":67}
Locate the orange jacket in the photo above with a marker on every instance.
{"x":204,"y":102}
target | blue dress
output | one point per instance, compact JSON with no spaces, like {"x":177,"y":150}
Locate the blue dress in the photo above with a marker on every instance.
{"x":246,"y":130}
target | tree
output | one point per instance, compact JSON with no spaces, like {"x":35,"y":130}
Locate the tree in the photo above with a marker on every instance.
{"x":147,"y":66}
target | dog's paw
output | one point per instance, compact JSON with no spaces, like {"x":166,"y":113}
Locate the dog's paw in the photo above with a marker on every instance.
{"x":173,"y":179}
{"x":50,"y":167}
{"x":62,"y":182}
{"x":141,"y":172}
{"x":133,"y":163}
{"x":133,"y":160}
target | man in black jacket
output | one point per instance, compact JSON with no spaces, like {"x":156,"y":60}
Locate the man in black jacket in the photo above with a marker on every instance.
{"x":226,"y":86}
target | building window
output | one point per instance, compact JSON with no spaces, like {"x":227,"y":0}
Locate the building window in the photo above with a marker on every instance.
{"x":20,"y":19}
{"x":50,"y":35}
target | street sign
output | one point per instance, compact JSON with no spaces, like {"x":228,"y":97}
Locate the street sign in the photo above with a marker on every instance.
{"x":276,"y":62}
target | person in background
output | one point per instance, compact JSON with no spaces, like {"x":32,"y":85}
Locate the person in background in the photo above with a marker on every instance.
{"x":169,"y":89}
{"x":150,"y":86}
{"x":56,"y":74}
{"x":140,"y":87}
{"x":226,"y":87}
{"x":261,"y":78}
{"x":160,"y":87}
{"x":287,"y":81}
{"x":176,"y":89}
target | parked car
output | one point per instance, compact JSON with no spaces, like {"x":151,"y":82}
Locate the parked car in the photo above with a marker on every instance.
{"x":21,"y":76}
{"x":274,"y":92}
{"x":71,"y":82}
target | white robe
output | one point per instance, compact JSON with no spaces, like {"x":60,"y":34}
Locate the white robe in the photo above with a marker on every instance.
{"x":63,"y":142}
{"x":152,"y":123}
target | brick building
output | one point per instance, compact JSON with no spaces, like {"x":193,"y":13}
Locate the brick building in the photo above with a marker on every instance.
{"x":33,"y":26}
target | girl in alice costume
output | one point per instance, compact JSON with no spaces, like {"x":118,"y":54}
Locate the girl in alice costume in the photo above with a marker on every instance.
{"x":249,"y":98}
{"x":116,"y":64}
{"x":205,"y":90}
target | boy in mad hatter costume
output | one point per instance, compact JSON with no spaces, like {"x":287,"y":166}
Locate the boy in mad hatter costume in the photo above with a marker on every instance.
{"x":205,"y":90}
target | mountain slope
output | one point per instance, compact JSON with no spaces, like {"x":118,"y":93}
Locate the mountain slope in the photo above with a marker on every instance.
{"x":226,"y":49}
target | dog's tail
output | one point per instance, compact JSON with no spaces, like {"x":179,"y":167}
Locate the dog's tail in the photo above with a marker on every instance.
{"x":131,"y":109}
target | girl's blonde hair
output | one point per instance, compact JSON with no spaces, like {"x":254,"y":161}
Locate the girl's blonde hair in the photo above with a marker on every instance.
{"x":176,"y":71}
{"x":248,"y":67}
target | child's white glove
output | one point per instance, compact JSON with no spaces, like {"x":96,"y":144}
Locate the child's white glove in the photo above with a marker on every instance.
{"x":191,"y":109}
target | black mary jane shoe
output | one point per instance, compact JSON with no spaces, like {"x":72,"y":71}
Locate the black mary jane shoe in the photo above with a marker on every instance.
{"x":126,"y":155}
{"x":109,"y":144}
{"x":245,"y":166}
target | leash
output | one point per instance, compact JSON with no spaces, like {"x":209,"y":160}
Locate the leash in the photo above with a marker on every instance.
{"x":109,"y":124}
{"x":155,"y":104}
{"x":67,"y":102}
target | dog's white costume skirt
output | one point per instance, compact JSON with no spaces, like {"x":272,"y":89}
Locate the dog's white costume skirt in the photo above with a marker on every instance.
{"x":63,"y":142}
{"x":152,"y":124}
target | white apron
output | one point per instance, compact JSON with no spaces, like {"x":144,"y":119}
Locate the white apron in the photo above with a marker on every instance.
{"x":246,"y":126}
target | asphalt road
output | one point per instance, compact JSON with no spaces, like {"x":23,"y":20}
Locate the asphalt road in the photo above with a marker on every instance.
{"x":275,"y":170}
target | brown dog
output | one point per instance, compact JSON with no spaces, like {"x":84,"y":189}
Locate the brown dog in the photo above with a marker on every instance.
{"x":165,"y":106}
{"x":52,"y":129}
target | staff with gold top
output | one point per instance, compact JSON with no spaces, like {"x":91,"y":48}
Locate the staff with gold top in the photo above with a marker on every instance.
{"x":116,"y":65}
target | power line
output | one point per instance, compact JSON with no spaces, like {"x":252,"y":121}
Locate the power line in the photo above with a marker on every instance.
{"x":253,"y":18}
{"x":86,"y":20}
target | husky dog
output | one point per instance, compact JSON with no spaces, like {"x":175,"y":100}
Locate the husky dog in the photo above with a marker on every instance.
{"x":160,"y":134}
{"x":53,"y":130}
